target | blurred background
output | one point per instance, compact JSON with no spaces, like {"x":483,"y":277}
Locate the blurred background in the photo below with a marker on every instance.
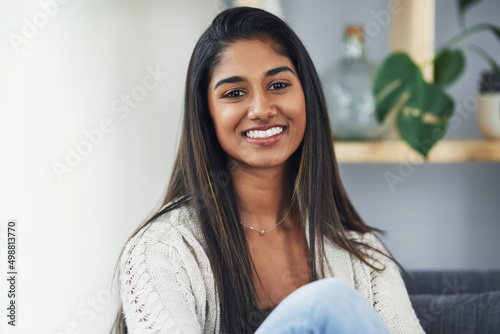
{"x":91,"y":97}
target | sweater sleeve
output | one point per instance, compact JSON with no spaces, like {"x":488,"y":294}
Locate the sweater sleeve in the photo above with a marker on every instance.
{"x":156,"y":287}
{"x":390,"y":297}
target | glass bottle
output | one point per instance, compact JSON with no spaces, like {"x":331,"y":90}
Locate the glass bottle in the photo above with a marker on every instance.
{"x":348,"y":90}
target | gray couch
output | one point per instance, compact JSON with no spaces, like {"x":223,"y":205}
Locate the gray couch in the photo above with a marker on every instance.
{"x":456,"y":302}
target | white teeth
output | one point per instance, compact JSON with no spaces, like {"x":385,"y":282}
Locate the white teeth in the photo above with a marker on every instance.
{"x":264,"y":134}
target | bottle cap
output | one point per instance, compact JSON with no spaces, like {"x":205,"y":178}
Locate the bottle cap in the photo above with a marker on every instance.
{"x":354,"y":31}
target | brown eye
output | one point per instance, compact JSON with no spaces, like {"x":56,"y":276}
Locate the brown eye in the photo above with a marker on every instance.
{"x":234,"y":94}
{"x":278,"y":85}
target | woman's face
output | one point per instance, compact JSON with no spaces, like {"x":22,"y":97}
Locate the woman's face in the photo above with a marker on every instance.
{"x":257,"y":104}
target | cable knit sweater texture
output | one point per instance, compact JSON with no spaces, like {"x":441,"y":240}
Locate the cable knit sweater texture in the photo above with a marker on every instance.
{"x":167,"y":284}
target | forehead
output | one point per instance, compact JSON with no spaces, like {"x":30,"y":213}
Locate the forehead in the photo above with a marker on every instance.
{"x":250,"y":57}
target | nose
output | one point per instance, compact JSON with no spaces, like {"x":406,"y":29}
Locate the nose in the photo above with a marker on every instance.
{"x":262,"y":107}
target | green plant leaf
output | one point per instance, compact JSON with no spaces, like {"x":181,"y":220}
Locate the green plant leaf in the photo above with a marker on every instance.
{"x":448,"y":66}
{"x":496,"y":30}
{"x":491,"y":27}
{"x":396,"y":76}
{"x":422,"y":109}
{"x":423,"y":121}
{"x":463,"y":5}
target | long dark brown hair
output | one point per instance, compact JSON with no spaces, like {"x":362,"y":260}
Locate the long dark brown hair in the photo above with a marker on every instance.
{"x":201,"y":175}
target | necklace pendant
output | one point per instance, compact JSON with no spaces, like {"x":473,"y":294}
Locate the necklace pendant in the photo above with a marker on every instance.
{"x":261,"y":232}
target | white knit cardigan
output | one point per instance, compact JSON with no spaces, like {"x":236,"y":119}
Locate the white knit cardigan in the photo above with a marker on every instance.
{"x":167,"y":284}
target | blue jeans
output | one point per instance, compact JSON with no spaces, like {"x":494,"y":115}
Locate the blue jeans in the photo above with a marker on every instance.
{"x":325,"y":306}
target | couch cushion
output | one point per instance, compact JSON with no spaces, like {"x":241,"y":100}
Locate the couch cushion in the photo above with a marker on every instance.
{"x":454,"y":314}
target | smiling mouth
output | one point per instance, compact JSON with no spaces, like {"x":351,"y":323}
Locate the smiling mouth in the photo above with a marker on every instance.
{"x":265,"y":133}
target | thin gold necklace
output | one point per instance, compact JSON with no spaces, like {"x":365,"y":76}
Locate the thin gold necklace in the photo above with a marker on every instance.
{"x":262,"y":232}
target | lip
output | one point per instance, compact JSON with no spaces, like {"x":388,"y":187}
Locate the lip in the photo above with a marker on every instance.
{"x":265,"y":141}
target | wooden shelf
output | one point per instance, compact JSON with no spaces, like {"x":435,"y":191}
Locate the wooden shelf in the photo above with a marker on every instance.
{"x":396,"y":151}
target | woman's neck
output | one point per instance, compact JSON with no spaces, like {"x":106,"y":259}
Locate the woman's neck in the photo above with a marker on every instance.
{"x":264,"y":195}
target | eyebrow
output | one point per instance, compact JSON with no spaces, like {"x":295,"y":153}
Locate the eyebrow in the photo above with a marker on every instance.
{"x":278,"y":70}
{"x":269,"y":73}
{"x":228,"y":80}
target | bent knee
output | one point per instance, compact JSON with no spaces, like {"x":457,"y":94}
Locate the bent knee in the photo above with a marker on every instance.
{"x":323,"y":292}
{"x":334,"y":297}
{"x":330,"y":286}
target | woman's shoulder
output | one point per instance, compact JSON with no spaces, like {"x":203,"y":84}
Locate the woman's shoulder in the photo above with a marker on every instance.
{"x":367,"y":238}
{"x":171,"y":230}
{"x":349,"y":264}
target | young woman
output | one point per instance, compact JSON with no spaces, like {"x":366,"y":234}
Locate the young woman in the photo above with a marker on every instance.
{"x":255,"y":214}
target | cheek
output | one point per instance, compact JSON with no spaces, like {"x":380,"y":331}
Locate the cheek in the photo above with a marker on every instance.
{"x":297,"y":112}
{"x":225,"y":121}
{"x":216,"y":114}
{"x":299,"y":120}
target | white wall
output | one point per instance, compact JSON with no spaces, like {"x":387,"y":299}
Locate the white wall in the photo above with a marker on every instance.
{"x":65,"y":80}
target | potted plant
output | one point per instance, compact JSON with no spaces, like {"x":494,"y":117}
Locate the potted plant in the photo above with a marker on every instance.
{"x":420,"y":109}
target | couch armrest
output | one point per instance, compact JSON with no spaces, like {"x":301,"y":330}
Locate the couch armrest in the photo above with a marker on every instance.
{"x":459,"y":313}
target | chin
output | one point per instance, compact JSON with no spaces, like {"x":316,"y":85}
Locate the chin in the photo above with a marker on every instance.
{"x":268,"y":163}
